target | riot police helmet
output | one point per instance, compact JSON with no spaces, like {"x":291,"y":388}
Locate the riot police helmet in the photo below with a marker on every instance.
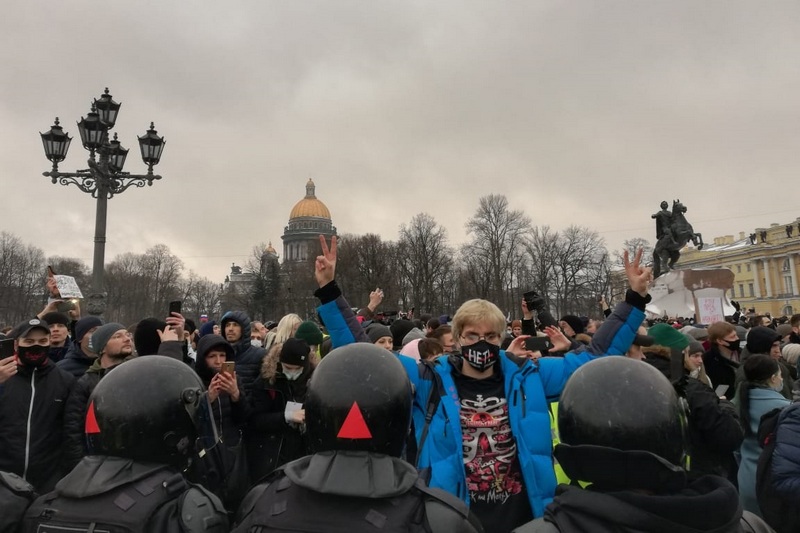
{"x":359,"y":398}
{"x":620,"y":403}
{"x":144,"y":409}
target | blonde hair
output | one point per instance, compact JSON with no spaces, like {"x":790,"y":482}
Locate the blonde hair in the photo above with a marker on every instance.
{"x":478,"y":311}
{"x":283,"y":331}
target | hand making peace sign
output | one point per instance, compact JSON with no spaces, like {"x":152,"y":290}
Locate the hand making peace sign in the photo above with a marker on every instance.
{"x":325,"y":265}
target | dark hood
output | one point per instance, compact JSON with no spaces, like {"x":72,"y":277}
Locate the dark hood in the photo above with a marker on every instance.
{"x":352,"y":473}
{"x":96,"y":474}
{"x":243,"y":320}
{"x":710,"y":505}
{"x":204,"y":345}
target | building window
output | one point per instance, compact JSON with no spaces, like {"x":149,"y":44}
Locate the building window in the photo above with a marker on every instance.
{"x":786,"y":266}
{"x":750,"y":288}
{"x":787,"y":283}
{"x":741,"y":290}
{"x":749,"y":267}
{"x":739,"y":269}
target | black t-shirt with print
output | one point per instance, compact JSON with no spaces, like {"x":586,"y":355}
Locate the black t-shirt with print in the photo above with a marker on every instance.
{"x":496,"y":488}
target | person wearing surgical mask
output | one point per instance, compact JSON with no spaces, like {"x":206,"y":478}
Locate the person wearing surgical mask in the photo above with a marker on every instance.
{"x":277,"y":420}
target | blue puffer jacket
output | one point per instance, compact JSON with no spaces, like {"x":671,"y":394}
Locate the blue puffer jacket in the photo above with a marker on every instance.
{"x":530,"y":386}
{"x":786,"y":457}
{"x":344,"y":328}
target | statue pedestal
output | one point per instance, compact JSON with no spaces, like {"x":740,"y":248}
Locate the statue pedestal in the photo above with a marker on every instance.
{"x":701,"y":293}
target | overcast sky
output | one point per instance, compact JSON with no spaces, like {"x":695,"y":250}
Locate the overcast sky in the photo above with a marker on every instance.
{"x":579,"y":112}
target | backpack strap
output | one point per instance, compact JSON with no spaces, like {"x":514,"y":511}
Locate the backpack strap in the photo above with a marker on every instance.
{"x":432,"y":405}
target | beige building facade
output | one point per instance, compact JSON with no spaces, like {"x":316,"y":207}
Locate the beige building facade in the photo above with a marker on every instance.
{"x":764,"y":263}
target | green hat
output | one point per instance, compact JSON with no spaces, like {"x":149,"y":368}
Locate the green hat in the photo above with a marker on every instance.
{"x":666,"y":335}
{"x":309,"y":332}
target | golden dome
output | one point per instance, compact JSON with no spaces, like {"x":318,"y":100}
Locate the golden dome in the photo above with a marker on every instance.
{"x":270,"y":249}
{"x":310,"y":206}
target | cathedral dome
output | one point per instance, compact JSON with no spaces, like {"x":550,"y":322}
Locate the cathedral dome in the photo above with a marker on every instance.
{"x":310,"y":206}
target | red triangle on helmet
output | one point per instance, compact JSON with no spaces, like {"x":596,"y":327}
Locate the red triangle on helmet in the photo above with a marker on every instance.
{"x":354,"y":427}
{"x":91,"y":421}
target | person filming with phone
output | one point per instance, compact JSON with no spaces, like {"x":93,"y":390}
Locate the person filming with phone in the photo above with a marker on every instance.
{"x":216,"y":369}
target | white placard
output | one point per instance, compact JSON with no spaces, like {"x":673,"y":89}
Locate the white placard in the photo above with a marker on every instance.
{"x":709,"y":310}
{"x":68,"y":287}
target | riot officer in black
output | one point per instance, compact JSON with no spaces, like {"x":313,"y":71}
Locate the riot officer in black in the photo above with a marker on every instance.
{"x":358,"y":414}
{"x":622,"y":431}
{"x":141,"y":430}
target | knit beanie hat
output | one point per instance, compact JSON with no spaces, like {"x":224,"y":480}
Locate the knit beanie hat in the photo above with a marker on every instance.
{"x":761,"y":338}
{"x":791,"y":353}
{"x":574,"y":322}
{"x":516,"y":324}
{"x":759,"y":367}
{"x":377,"y":331}
{"x":666,"y":335}
{"x":60,"y":318}
{"x":695,"y":347}
{"x":146,"y":337}
{"x":783,"y":329}
{"x":411,"y":349}
{"x":309,"y":332}
{"x":415,"y":333}
{"x":101,"y":337}
{"x":85,"y":324}
{"x":295,"y":352}
{"x":399,"y":330}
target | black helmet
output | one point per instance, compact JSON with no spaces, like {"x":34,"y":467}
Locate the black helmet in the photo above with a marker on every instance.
{"x":359,"y":398}
{"x":144,"y":410}
{"x":620,"y":403}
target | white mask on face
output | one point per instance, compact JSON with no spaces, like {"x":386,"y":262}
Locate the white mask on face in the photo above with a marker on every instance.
{"x":256,"y":343}
{"x":292,"y":375}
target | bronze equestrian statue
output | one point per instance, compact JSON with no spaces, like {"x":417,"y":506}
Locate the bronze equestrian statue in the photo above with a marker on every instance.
{"x":672,"y":233}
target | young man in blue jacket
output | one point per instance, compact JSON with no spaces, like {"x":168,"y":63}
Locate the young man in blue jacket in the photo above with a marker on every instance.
{"x":481,"y":417}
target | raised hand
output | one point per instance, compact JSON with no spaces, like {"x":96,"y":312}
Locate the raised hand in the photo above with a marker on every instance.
{"x":639,"y":277}
{"x":325,"y":265}
{"x":557,"y":337}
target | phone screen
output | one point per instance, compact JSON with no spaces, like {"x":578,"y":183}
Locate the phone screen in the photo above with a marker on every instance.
{"x":721,"y":390}
{"x":538,"y":344}
{"x":6,"y":348}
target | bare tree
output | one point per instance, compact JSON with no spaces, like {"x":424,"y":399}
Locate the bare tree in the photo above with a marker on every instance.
{"x":22,"y":279}
{"x":200,"y":296}
{"x":425,"y":259}
{"x":497,"y":238}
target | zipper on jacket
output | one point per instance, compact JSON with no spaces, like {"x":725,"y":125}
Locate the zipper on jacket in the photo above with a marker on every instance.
{"x":28,"y":433}
{"x":524,"y":398}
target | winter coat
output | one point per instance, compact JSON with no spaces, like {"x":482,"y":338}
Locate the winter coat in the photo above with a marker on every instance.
{"x":529,"y":386}
{"x":76,"y":362}
{"x":721,"y":371}
{"x":714,"y":430}
{"x":271,"y":440}
{"x":788,"y":382}
{"x":230,"y":417}
{"x":786,"y":457}
{"x":32,"y":420}
{"x":75,"y":414}
{"x":56,"y":354}
{"x":762,"y":401}
{"x":248,"y":358}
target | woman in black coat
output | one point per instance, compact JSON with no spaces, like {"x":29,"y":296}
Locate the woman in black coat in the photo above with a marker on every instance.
{"x":277,"y":420}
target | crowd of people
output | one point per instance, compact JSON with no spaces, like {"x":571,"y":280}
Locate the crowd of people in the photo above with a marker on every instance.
{"x":348,"y":422}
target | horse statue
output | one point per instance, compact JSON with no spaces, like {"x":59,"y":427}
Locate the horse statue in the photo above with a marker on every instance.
{"x":673,"y":231}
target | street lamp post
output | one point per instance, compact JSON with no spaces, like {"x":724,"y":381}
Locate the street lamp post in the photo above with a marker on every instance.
{"x":104,"y":178}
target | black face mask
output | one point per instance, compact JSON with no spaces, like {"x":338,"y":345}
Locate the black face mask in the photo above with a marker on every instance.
{"x":734,"y":345}
{"x":481,"y":355}
{"x":32,"y":355}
